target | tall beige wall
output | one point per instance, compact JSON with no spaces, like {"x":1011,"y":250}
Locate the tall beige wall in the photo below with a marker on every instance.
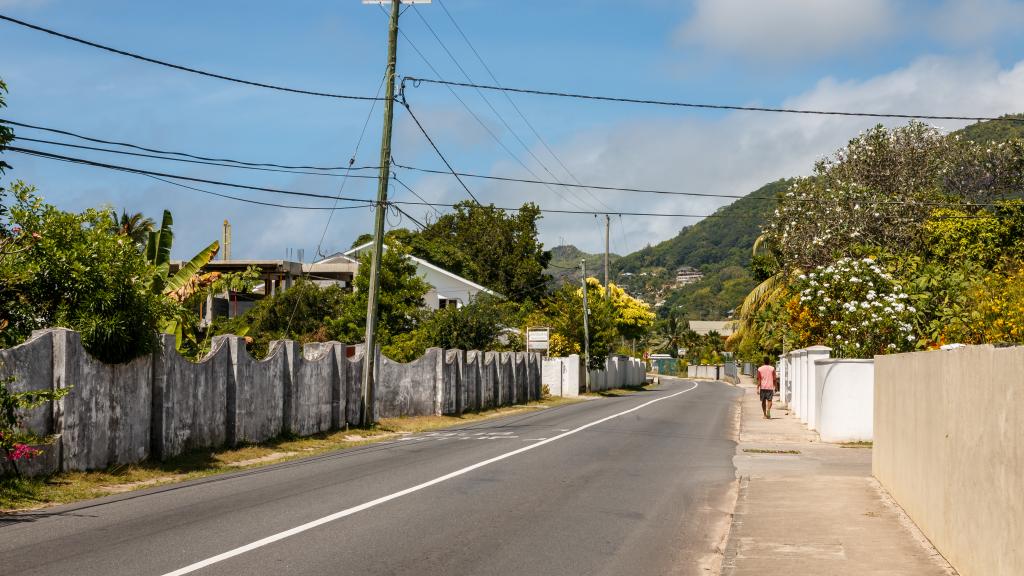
{"x":949,"y":447}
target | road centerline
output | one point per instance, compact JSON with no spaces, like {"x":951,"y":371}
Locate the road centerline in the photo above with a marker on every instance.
{"x":395,"y":495}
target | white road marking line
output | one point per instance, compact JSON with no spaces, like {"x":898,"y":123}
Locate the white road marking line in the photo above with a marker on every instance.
{"x":366,"y":505}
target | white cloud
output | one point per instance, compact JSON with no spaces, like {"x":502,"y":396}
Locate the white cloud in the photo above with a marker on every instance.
{"x":739,"y":152}
{"x":977,"y":21}
{"x":804,"y":29}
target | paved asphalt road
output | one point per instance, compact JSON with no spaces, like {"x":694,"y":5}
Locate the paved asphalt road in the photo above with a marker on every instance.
{"x":622,"y":485}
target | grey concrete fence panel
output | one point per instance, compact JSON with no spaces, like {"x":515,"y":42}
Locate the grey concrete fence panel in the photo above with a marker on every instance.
{"x":522,"y":377}
{"x":194,"y":400}
{"x":255,"y":392}
{"x":309,"y":396}
{"x":407,"y":389}
{"x":106,"y":417}
{"x":490,"y":380}
{"x":31,"y":364}
{"x":506,"y":372}
{"x":473,"y":378}
{"x":354,"y":392}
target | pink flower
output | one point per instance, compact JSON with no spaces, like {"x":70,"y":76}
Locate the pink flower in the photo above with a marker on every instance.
{"x":22,"y":451}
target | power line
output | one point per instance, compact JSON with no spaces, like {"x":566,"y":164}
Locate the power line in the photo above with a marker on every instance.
{"x":348,"y":174}
{"x":179,"y":66}
{"x":474,"y":115}
{"x":186,"y":160}
{"x":515,"y":106}
{"x":439,"y":154}
{"x":490,"y":105}
{"x":413,"y":192}
{"x":118,"y":168}
{"x":592,"y":186}
{"x":417,"y":81}
{"x":183,"y":154}
{"x":251,"y":201}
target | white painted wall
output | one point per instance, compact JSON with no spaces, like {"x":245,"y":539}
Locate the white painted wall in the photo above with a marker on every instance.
{"x":846,"y":396}
{"x":563,"y":376}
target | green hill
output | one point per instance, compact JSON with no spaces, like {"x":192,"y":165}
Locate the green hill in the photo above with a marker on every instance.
{"x":719,"y":247}
{"x":994,"y":131}
{"x":565,"y":263}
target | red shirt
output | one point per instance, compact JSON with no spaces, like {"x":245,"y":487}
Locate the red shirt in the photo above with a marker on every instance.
{"x":766,"y":377}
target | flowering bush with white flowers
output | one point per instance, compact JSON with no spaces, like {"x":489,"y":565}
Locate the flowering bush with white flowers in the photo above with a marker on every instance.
{"x":854,"y":307}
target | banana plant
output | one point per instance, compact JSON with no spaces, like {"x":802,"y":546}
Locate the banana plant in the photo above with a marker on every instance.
{"x":184,"y":283}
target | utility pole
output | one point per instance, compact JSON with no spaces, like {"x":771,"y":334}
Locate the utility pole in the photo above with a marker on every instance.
{"x":586,"y":326}
{"x":607,"y":286}
{"x":373,"y":296}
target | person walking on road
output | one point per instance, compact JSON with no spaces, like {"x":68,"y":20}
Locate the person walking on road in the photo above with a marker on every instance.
{"x":766,"y":380}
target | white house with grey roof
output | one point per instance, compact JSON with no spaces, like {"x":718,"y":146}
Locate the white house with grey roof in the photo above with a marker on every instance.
{"x":446,"y":288}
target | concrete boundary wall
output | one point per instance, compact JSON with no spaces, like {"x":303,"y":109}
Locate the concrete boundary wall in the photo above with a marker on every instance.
{"x":162,"y":405}
{"x":948,"y":447}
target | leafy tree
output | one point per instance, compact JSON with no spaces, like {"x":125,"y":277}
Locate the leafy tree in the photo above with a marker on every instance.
{"x":882,"y":187}
{"x":563,"y":311}
{"x":400,"y":299}
{"x":299,"y":313}
{"x":76,"y":273}
{"x":489,"y":246}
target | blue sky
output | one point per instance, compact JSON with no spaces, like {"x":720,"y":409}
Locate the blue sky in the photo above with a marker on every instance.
{"x":940,"y":57}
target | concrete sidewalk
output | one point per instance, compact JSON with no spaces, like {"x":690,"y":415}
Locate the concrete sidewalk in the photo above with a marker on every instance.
{"x":809,"y":508}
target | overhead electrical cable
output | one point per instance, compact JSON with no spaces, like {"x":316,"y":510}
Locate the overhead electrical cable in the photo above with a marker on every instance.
{"x":183,"y":154}
{"x":490,"y":105}
{"x":179,"y":66}
{"x":515,"y":106}
{"x":439,"y":154}
{"x":471,"y":112}
{"x":250,"y":200}
{"x":348,"y":173}
{"x":417,"y":81}
{"x":187,"y":160}
{"x":51,"y":156}
{"x":411,"y":191}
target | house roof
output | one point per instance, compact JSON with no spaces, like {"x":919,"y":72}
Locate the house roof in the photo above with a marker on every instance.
{"x":723,"y":327}
{"x":352,"y":252}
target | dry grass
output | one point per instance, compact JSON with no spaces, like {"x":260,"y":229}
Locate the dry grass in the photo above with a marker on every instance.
{"x":857,"y":444}
{"x":768,"y":451}
{"x":32,"y":493}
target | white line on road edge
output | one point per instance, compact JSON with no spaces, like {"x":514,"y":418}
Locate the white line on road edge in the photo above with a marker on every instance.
{"x":366,"y":505}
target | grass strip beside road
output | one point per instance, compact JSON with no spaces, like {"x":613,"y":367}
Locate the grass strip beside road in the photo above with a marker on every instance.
{"x":20,"y":494}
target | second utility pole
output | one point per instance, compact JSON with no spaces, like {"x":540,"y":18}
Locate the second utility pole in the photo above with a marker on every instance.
{"x":586,"y":327}
{"x":607,"y":286}
{"x":373,"y":295}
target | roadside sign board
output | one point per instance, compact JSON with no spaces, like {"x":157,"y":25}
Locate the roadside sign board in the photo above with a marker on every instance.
{"x":538,"y":338}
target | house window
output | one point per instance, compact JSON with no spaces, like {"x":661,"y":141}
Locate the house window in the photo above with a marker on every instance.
{"x":447,"y":303}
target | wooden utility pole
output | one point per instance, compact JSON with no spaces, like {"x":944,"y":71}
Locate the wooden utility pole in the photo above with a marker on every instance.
{"x":607,"y":286}
{"x":586,"y":326}
{"x":373,"y":295}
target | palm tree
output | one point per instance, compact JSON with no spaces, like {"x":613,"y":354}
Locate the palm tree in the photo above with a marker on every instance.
{"x":768,"y":292}
{"x":136,"y":226}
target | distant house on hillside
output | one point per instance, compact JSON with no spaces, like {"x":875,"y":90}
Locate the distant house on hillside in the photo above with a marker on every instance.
{"x":446,"y":288}
{"x":725,"y":328}
{"x":688,"y":275}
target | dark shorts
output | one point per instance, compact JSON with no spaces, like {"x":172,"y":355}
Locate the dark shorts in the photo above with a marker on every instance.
{"x":767,"y":394}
